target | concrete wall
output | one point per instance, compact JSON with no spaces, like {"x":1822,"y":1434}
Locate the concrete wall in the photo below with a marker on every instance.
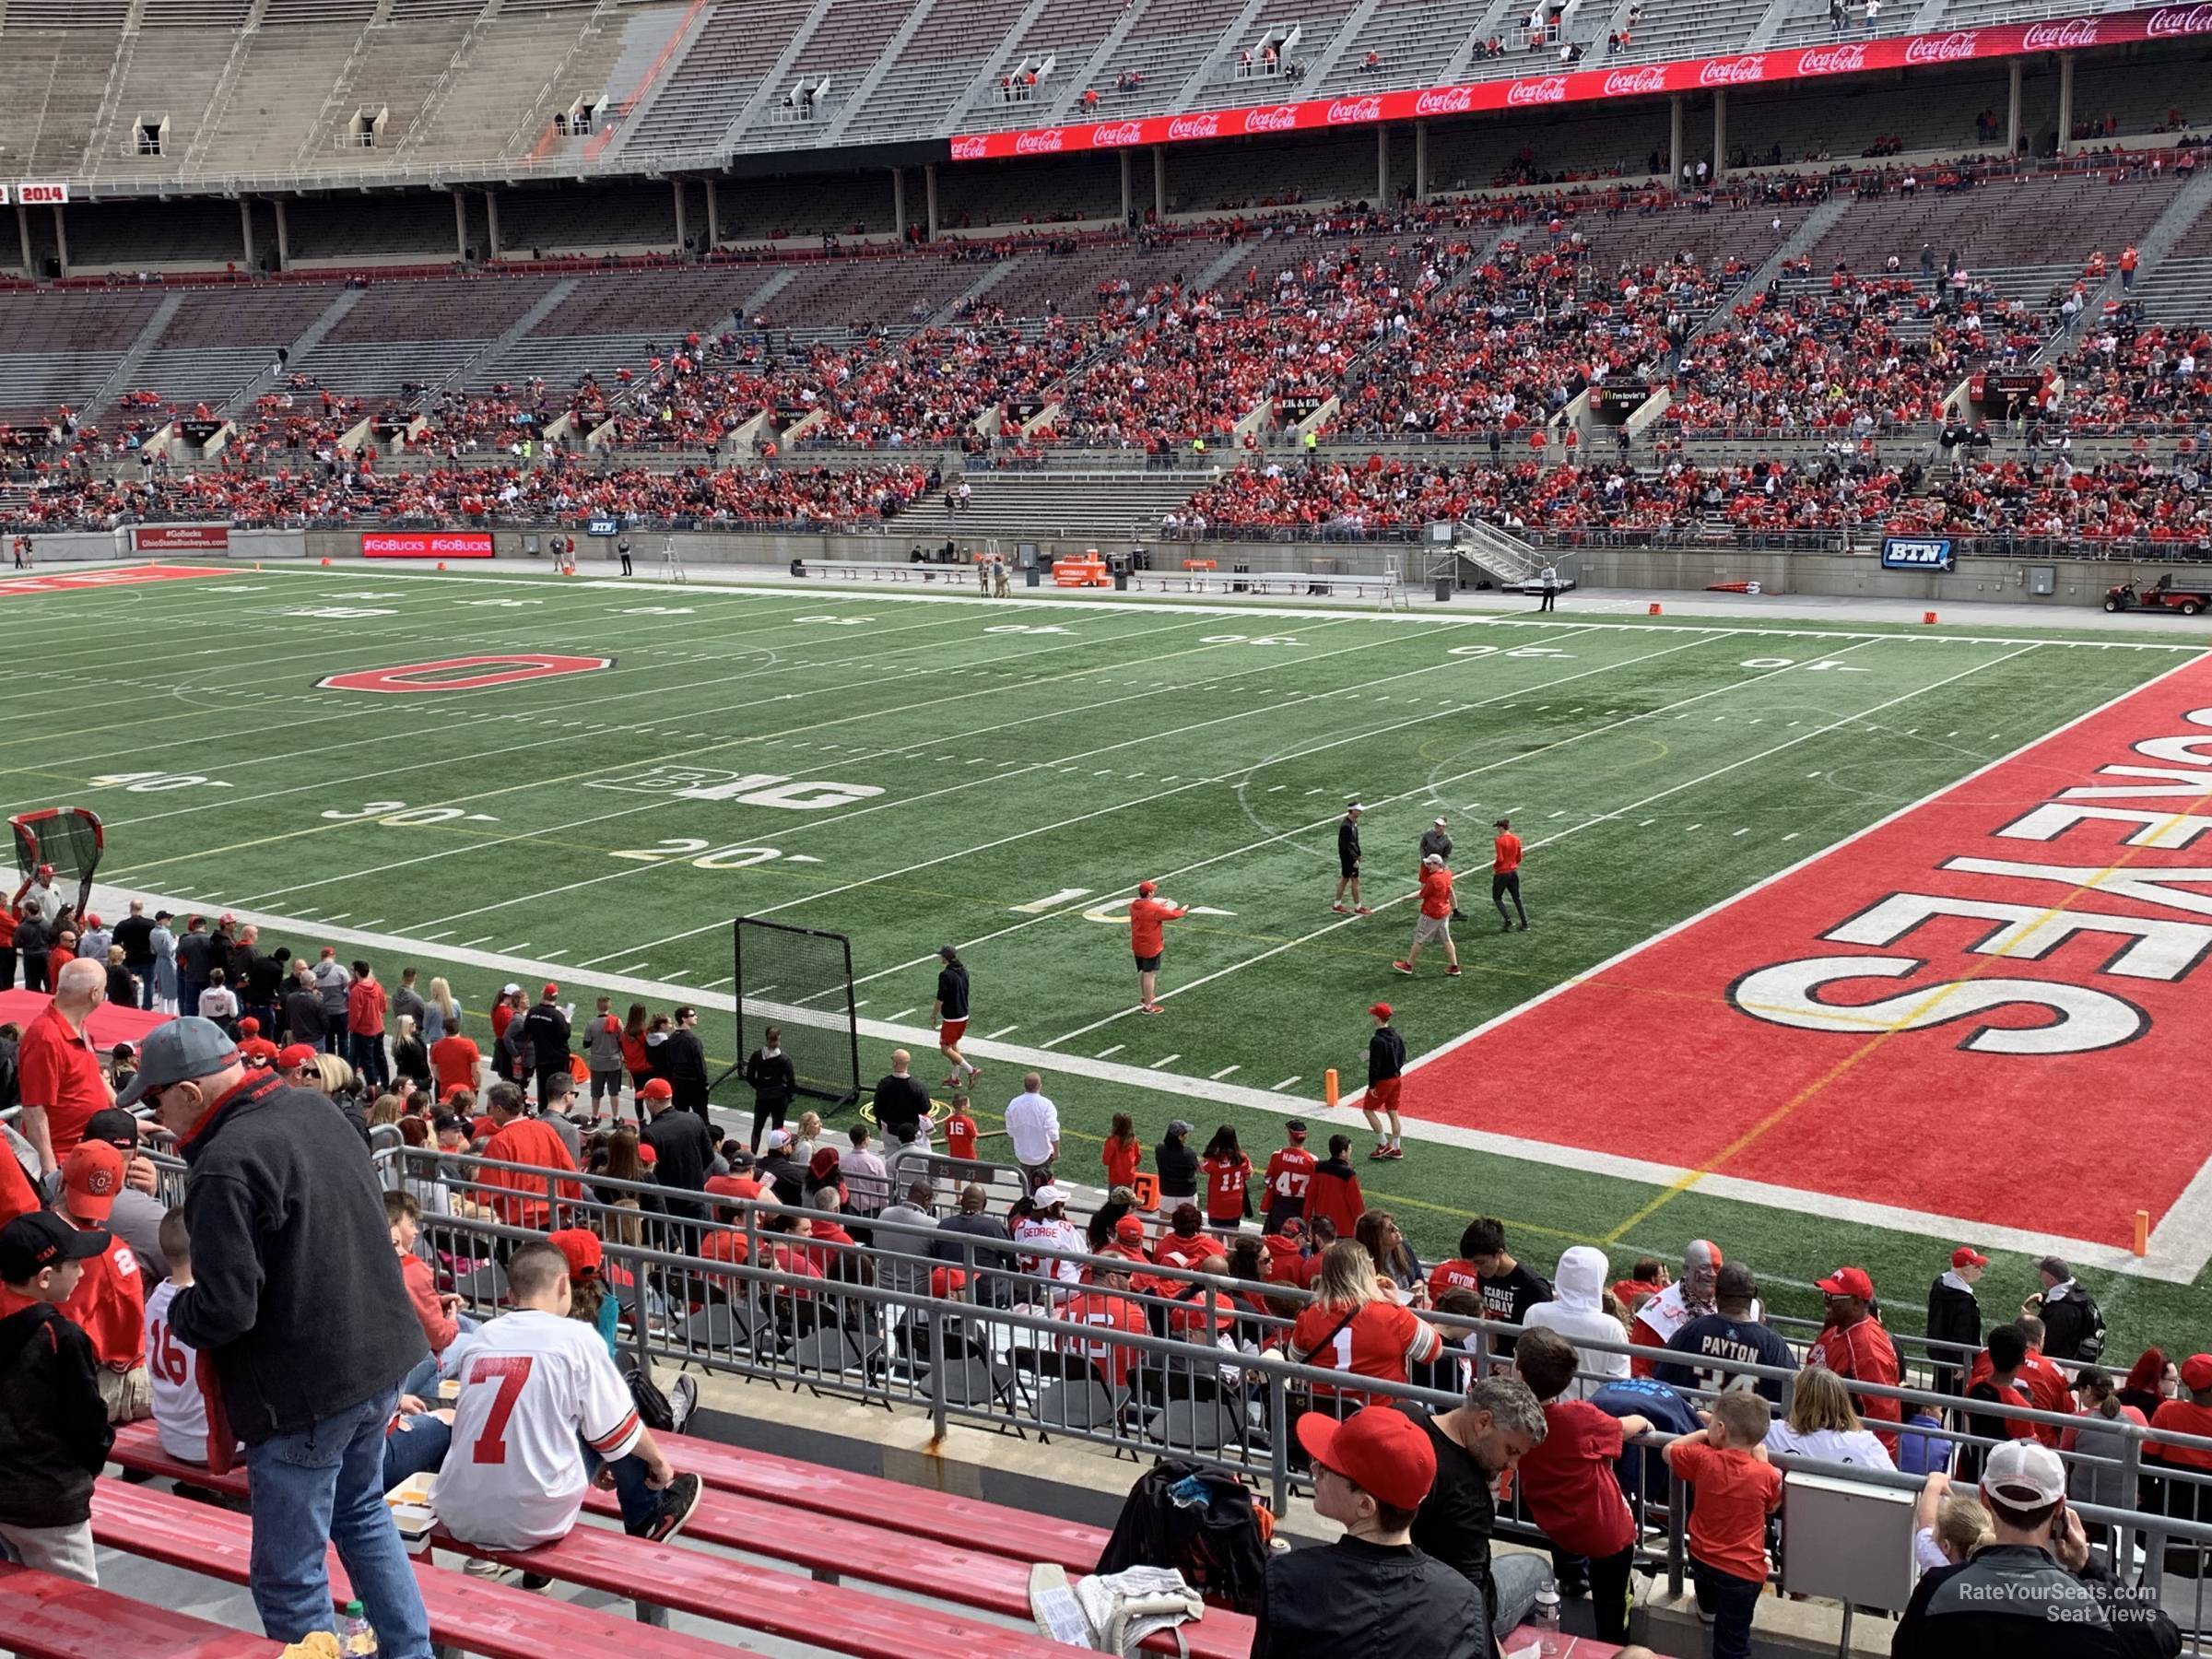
{"x":2077,"y":582}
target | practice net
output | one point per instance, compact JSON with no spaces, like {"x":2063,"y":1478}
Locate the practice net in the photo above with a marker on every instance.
{"x":800,"y":980}
{"x":68,"y":838}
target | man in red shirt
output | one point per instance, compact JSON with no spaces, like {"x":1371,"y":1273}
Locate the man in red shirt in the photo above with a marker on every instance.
{"x":110,"y":1300}
{"x":516,"y":1138}
{"x":1289,"y":1171}
{"x":453,"y":1062}
{"x":58,"y":1073}
{"x":1105,"y":1303}
{"x":1433,"y":925}
{"x":1854,"y":1345}
{"x":1147,"y":942}
{"x":365,"y":1006}
{"x":254,"y":1048}
{"x":1505,"y":874}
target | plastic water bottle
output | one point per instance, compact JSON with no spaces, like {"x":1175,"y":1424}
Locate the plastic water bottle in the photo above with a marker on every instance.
{"x":1545,"y":1618}
{"x":357,"y":1637}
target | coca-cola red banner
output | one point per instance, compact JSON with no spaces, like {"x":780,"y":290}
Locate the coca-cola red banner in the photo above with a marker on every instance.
{"x":1643,"y":80}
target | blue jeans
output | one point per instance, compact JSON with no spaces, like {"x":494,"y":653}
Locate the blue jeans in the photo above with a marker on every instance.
{"x":323,"y":1486}
{"x":368,"y":1057}
{"x":639,"y":1501}
{"x":416,"y":1447}
{"x":1729,"y":1602}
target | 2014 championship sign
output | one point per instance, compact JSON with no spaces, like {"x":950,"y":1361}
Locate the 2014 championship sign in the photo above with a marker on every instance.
{"x":427,"y":544}
{"x":1641,"y":80}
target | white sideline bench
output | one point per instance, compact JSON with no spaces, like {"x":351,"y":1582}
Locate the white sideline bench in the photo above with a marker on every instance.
{"x":859,"y":570}
{"x":1258,"y":583}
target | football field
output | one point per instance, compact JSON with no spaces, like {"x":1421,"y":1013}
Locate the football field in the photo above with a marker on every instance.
{"x":1711,"y":1028}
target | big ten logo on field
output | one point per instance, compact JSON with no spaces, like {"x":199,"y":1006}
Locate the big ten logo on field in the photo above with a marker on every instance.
{"x":465,"y":672}
{"x":745,"y":789}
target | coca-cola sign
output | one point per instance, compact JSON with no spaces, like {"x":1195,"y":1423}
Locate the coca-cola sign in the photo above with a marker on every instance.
{"x":2171,"y":20}
{"x":1283,"y":118}
{"x":1551,"y":88}
{"x":1734,"y":72}
{"x":2060,"y":37}
{"x":1116,"y":136}
{"x":1832,"y":60}
{"x":973,"y":148}
{"x":1447,"y":101}
{"x":1954,"y":48}
{"x":1195,"y":127}
{"x":1346,"y":110}
{"x":1627,"y":83}
{"x":1049,"y":142}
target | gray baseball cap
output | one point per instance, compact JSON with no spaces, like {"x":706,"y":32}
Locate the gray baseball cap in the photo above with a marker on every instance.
{"x":177,"y":1052}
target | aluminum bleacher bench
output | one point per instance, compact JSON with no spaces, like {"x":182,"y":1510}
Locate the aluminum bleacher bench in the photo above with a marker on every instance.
{"x":42,"y":1617}
{"x":493,"y":1621}
{"x":957,"y":575}
{"x":1297,"y":584}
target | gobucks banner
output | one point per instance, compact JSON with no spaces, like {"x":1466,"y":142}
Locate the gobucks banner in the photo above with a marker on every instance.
{"x":1641,"y":80}
{"x":431,"y":544}
{"x":1919,"y":1017}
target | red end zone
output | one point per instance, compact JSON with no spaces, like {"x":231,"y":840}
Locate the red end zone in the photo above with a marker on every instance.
{"x":1927,"y":1017}
{"x":69,"y":581}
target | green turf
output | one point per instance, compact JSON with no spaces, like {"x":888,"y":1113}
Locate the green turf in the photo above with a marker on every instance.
{"x":1022,"y":750}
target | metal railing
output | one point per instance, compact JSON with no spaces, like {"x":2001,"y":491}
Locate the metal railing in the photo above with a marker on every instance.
{"x":998,"y":1350}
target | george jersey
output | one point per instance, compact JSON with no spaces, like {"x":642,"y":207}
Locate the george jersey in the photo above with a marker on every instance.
{"x":534,"y":1389}
{"x":172,"y":1368}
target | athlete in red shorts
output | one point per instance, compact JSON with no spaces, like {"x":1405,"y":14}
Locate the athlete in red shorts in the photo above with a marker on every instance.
{"x":1147,"y":942}
{"x":950,"y":1012}
{"x":1385,"y":1074}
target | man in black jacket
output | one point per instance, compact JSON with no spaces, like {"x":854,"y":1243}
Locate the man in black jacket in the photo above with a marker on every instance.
{"x":2034,"y":1594}
{"x":2073,"y":1323}
{"x":134,"y":933}
{"x":195,"y":956}
{"x":546,"y":1028}
{"x":298,"y":1303}
{"x":683,"y":1147}
{"x":1370,"y":1591}
{"x":678,"y":1058}
{"x":1955,"y":1319}
{"x":53,"y":1425}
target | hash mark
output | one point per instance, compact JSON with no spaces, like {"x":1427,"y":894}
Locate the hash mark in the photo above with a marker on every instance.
{"x":1164,"y":1059}
{"x":1116,"y":1049}
{"x":1216,"y":1076}
{"x":1286,"y":1083}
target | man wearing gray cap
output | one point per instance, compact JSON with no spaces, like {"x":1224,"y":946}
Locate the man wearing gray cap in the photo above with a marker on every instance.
{"x":298,"y":1303}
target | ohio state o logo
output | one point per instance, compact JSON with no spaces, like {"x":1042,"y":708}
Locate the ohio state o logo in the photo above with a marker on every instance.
{"x":464,"y":674}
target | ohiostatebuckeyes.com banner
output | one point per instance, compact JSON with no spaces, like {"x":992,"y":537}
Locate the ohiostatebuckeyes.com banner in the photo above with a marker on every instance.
{"x":1577,"y":86}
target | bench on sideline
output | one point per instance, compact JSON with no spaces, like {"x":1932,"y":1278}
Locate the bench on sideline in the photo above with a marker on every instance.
{"x":1261,"y":584}
{"x":952,"y":575}
{"x":44,"y":1617}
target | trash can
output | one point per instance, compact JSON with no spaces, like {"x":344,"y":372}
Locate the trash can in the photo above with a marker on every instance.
{"x":1443,"y":590}
{"x":1029,"y":577}
{"x":1119,"y":566}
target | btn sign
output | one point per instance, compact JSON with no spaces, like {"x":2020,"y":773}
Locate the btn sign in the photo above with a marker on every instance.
{"x":464,"y":674}
{"x":1916,"y":553}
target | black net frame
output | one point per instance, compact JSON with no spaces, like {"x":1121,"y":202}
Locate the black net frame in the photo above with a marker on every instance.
{"x":71,"y":839}
{"x":799,"y":979}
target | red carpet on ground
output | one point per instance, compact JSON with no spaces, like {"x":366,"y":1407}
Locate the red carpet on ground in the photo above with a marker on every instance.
{"x":109,"y":1025}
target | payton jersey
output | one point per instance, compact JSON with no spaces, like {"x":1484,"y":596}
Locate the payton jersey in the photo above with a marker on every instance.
{"x":534,"y":1389}
{"x":172,"y":1369}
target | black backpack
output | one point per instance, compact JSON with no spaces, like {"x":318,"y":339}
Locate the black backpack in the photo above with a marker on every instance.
{"x":1218,"y":1545}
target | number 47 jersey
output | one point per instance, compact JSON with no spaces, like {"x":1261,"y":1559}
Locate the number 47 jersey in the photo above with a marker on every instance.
{"x":535,"y":1389}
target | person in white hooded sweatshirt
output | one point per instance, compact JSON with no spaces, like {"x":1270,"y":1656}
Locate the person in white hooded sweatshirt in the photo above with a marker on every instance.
{"x":1577,"y":1312}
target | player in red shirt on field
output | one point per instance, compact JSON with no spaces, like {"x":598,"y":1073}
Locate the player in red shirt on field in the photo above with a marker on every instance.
{"x":1505,"y":874}
{"x":1433,"y":925}
{"x":1385,"y":1078}
{"x":962,"y":1132}
{"x":1123,"y":1152}
{"x":1227,"y":1173}
{"x":1854,"y":1345}
{"x":1147,"y":942}
{"x":1288,"y":1173}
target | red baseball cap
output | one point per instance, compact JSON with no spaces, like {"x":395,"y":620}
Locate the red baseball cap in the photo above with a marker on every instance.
{"x":1849,"y":1281}
{"x":552,"y":989}
{"x":298,"y":1054}
{"x":2196,"y":1373}
{"x":1966,"y":1255}
{"x":1130,"y":1229}
{"x":1145,"y":890}
{"x":1381,"y":1451}
{"x":249,"y":1026}
{"x":91,"y":1176}
{"x":581,"y":1247}
{"x":1379,"y":1010}
{"x":656,"y":1088}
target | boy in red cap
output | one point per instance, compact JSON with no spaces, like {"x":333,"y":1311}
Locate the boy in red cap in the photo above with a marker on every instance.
{"x":1147,"y":912}
{"x":110,"y":1300}
{"x":1385,"y":1074}
{"x":254,"y":1048}
{"x":1290,"y":1172}
{"x":1370,"y":1591}
{"x":1854,"y":1345}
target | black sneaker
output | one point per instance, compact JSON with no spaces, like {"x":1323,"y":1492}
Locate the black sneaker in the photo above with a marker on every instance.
{"x":678,"y":1502}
